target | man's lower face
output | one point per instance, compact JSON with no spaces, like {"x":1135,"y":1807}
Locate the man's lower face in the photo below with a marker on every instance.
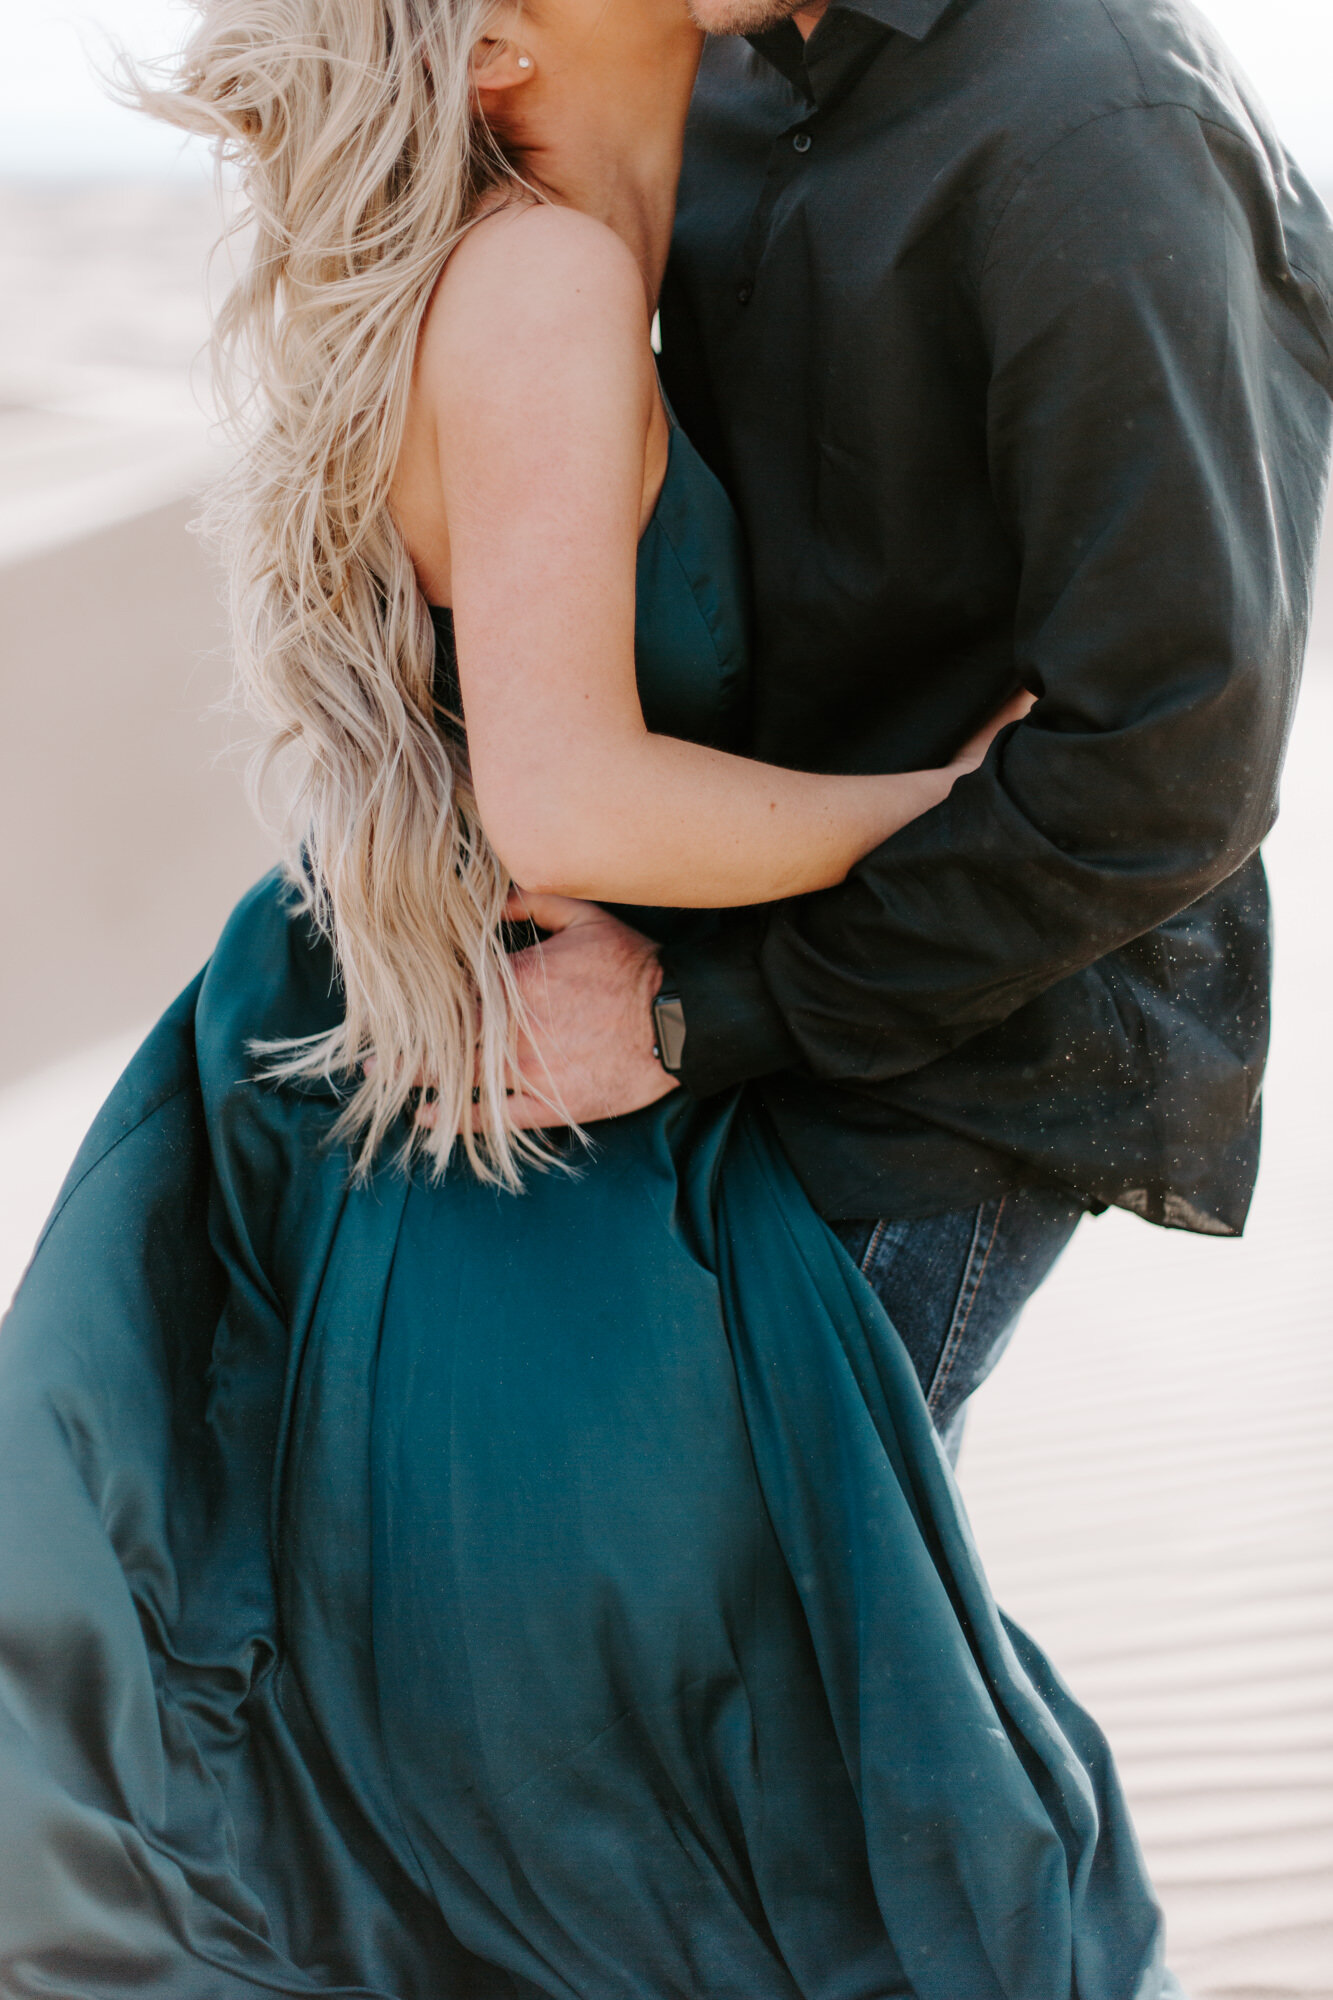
{"x":745,"y":17}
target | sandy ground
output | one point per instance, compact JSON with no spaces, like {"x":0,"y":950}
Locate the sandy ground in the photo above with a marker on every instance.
{"x":1149,"y":1471}
{"x":117,"y":793}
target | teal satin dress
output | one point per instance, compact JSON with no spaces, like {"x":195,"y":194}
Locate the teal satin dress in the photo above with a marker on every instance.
{"x":420,"y":1591}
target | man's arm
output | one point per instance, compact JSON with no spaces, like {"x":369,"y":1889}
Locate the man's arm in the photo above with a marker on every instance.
{"x":1158,"y":430}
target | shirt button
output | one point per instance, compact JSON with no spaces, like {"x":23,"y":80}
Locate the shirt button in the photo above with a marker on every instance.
{"x":743,"y":295}
{"x":802,"y":142}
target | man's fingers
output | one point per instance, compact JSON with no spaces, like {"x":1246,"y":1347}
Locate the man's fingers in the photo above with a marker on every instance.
{"x":526,"y":1112}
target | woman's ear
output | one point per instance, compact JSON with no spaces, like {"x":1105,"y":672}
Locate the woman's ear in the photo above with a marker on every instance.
{"x":499,"y":66}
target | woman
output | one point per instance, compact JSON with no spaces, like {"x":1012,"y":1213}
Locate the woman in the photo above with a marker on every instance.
{"x":440,"y":1561}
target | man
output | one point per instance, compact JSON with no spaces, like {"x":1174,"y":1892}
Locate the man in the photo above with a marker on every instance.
{"x":1007,"y":325}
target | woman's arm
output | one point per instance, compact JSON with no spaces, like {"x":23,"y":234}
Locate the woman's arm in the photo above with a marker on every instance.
{"x":536,"y":368}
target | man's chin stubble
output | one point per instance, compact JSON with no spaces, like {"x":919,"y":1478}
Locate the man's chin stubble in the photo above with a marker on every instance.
{"x":742,"y":17}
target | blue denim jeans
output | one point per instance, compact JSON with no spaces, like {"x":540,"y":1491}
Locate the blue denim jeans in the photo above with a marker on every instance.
{"x":954,"y":1286}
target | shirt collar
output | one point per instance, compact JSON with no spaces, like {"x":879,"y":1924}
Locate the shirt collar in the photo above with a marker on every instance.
{"x":824,"y":67}
{"x":907,"y":17}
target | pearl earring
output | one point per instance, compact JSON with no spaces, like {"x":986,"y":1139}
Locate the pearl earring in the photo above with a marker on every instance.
{"x":525,"y":62}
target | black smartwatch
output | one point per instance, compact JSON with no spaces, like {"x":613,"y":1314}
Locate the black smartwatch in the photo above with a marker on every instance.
{"x":669,"y":1028}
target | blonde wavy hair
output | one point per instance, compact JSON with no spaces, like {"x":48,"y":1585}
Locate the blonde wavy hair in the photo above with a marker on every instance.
{"x":352,"y":129}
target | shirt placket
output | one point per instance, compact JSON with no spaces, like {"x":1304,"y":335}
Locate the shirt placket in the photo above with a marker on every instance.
{"x":785,"y":160}
{"x":843,"y":48}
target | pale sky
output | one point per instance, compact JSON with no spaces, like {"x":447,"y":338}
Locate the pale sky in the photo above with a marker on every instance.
{"x":54,"y":118}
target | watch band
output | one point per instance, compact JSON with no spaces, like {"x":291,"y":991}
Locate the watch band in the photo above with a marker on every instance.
{"x":669,"y":1028}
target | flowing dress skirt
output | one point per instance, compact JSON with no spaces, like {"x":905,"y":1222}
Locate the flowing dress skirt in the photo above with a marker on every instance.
{"x":416,"y":1590}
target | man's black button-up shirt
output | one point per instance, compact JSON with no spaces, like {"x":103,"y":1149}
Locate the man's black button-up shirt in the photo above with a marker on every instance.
{"x":1007,"y":325}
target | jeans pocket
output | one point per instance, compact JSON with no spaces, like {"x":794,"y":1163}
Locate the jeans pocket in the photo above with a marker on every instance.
{"x":882,"y":1245}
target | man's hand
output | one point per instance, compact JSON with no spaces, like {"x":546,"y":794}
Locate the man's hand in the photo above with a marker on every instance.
{"x":589,"y":988}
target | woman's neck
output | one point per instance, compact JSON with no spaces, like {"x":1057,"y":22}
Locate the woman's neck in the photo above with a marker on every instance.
{"x":604,"y":132}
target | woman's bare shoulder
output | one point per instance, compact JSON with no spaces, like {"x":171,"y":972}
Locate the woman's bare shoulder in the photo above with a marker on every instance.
{"x":529,"y":290}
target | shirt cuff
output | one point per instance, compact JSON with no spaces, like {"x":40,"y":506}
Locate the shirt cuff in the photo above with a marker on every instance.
{"x":733,"y":1028}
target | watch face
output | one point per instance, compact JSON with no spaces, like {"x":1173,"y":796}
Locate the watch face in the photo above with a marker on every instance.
{"x":669,"y":1017}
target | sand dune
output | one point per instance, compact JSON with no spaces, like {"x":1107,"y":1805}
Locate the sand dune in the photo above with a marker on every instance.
{"x":128,"y":837}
